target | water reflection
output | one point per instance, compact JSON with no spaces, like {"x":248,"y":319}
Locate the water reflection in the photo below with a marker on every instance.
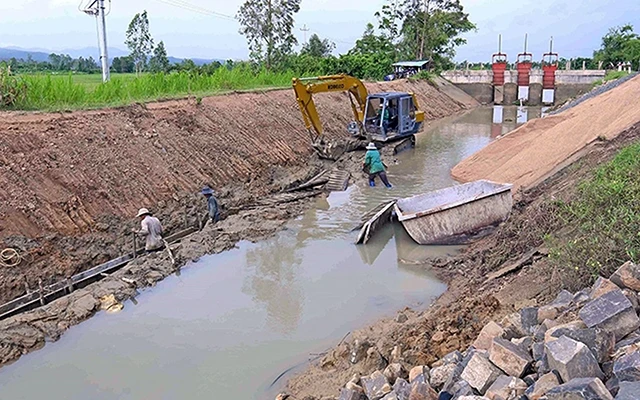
{"x":506,"y":119}
{"x":271,"y":279}
{"x":409,"y":254}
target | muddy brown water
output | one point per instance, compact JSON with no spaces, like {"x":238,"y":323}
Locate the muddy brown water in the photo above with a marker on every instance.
{"x":229,"y":325}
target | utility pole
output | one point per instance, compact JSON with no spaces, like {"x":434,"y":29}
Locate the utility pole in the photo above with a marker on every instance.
{"x":97,"y":8}
{"x":104,"y":52}
{"x":305,"y":30}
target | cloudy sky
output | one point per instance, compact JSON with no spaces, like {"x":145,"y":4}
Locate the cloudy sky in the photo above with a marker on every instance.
{"x":576,"y":25}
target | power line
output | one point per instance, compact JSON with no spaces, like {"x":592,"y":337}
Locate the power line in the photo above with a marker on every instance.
{"x":197,"y":9}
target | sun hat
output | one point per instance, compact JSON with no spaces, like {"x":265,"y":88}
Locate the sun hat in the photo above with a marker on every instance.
{"x":371,"y":146}
{"x":143,"y":211}
{"x":206,"y":190}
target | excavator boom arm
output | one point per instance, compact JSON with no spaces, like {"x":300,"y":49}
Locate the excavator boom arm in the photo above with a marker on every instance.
{"x":306,"y":87}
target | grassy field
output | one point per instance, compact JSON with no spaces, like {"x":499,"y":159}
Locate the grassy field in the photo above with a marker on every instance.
{"x":92,"y":81}
{"x":74,"y":91}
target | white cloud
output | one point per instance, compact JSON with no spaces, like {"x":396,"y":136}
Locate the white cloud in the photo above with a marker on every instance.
{"x":57,"y":24}
{"x":60,"y":3}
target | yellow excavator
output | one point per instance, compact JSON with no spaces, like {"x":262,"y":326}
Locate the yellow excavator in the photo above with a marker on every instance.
{"x":379,"y":117}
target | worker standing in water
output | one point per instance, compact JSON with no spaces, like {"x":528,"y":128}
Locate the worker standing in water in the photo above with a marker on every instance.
{"x":213,"y":208}
{"x":151,"y":229}
{"x":374,"y":166}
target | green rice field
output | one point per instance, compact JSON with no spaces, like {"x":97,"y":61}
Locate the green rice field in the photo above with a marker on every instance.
{"x":52,"y":92}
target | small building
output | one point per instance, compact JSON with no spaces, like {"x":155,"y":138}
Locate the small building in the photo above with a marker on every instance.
{"x":405,"y":69}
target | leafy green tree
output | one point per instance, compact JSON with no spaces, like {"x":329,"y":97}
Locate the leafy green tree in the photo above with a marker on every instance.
{"x":267,"y":26}
{"x":123,"y":65}
{"x":632,"y":51}
{"x":371,"y":57}
{"x":371,"y":44}
{"x":576,"y":63}
{"x":187,"y":65}
{"x":159,"y":62}
{"x":139,"y":41}
{"x":425,"y":29}
{"x":317,"y":47}
{"x":210,"y":68}
{"x":615,"y":45}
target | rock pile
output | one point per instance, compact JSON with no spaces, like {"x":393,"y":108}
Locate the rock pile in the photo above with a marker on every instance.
{"x":581,"y":346}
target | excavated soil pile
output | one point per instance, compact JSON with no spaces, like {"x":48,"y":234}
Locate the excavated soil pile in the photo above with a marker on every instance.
{"x":535,"y":150}
{"x":72,"y":181}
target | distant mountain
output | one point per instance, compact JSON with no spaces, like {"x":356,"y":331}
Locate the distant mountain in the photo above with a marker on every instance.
{"x":8,"y":53}
{"x":93,"y":52}
{"x":41,"y":55}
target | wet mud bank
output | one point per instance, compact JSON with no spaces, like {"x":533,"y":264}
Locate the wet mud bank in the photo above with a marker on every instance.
{"x":73,"y":181}
{"x":490,"y":280}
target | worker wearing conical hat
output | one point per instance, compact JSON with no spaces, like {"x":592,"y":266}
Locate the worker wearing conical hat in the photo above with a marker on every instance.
{"x":374,"y":166}
{"x":151,"y":229}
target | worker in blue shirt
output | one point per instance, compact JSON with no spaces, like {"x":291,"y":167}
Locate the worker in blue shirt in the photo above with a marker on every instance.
{"x":212,"y":204}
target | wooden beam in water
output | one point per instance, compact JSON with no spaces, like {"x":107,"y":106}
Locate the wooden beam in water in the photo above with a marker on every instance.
{"x":59,"y":289}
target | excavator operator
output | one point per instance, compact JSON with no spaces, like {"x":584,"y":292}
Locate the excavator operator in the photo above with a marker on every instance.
{"x":383,"y":115}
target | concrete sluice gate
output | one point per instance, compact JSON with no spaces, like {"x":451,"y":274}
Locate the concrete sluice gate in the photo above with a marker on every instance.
{"x":535,"y":87}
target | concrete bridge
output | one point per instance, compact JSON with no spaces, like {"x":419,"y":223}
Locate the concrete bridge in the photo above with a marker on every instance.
{"x":479,"y":84}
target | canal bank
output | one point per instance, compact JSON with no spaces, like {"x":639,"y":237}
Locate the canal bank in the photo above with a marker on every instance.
{"x":545,"y":246}
{"x":262,"y":308}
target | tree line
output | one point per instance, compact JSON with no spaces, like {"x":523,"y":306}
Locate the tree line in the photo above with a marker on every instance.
{"x":406,"y":29}
{"x":54,"y":63}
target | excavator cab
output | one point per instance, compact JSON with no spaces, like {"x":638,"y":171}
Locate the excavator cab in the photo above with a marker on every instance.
{"x":391,"y":116}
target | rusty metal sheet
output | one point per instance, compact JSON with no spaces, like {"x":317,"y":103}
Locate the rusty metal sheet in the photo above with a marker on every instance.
{"x":381,"y":217}
{"x":451,"y":215}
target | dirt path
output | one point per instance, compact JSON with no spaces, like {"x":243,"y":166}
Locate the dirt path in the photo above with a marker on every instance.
{"x":72,"y":181}
{"x":532,"y":152}
{"x":472,"y":300}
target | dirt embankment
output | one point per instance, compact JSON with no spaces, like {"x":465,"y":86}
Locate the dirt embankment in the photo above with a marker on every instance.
{"x":534,"y":151}
{"x":72,"y":181}
{"x":472,"y":299}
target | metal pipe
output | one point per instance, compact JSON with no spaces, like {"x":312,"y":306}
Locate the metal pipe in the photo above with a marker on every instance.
{"x":526,"y":37}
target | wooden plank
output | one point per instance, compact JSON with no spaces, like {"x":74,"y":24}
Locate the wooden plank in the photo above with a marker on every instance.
{"x":380,"y":218}
{"x":101,"y":268}
{"x":512,"y":267}
{"x":179,"y":235}
{"x":313,"y":182}
{"x":338,"y":181}
{"x":59,"y":289}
